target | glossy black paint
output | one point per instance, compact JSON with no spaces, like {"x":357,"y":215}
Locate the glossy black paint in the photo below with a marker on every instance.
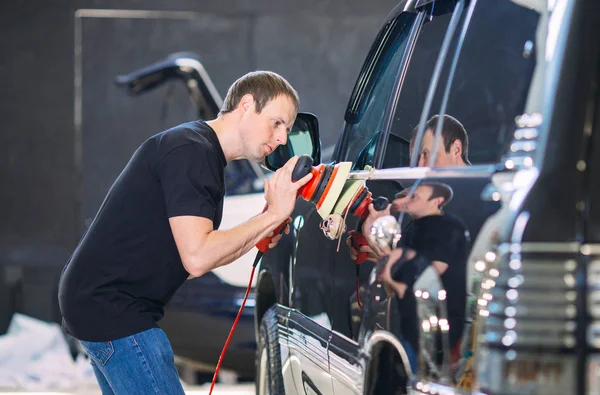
{"x":575,"y":91}
{"x":326,"y":277}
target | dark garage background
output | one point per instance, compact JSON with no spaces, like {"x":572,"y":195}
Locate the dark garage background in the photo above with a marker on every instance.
{"x":52,"y":179}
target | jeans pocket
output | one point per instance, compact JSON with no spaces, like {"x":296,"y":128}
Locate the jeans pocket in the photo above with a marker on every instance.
{"x":99,"y":352}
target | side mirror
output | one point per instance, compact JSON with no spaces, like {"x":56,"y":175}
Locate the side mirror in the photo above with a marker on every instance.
{"x":303,"y":139}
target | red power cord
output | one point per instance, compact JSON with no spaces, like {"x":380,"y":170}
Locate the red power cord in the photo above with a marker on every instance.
{"x":357,"y":293}
{"x":258,"y":256}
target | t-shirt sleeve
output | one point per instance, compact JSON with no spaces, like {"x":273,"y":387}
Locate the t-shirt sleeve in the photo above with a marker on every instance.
{"x":189,"y":180}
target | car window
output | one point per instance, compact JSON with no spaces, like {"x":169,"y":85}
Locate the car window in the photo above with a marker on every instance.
{"x":416,"y":84}
{"x":489,"y":88}
{"x":364,"y":118}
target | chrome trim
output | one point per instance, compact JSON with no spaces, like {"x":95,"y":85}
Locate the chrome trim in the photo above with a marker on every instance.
{"x":527,"y":121}
{"x":593,"y":274}
{"x":345,"y":372}
{"x":593,"y":334}
{"x":414,"y":173}
{"x":594,"y":303}
{"x":530,"y":294}
{"x":310,"y":348}
{"x":429,"y":388}
{"x":590,"y":249}
{"x":382,"y":336}
{"x":526,"y":133}
{"x":567,"y":247}
{"x":523,"y":146}
{"x":519,"y":228}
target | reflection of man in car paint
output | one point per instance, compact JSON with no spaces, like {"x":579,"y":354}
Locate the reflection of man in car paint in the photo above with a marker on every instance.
{"x":453,"y":147}
{"x":433,"y":238}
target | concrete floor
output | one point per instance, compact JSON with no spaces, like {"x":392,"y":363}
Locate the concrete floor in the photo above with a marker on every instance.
{"x":220,"y":389}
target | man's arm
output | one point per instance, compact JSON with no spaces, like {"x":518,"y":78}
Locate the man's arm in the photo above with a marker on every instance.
{"x":202,"y":249}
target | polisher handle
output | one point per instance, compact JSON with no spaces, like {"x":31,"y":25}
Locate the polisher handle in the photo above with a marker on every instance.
{"x":380,"y":203}
{"x":358,"y":239}
{"x":301,"y":169}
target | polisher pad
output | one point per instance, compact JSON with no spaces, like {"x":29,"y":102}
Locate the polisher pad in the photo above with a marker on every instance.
{"x":351,"y":187}
{"x":333,"y":189}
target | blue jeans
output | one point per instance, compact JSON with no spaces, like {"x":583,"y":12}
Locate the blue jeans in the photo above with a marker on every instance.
{"x":139,"y":364}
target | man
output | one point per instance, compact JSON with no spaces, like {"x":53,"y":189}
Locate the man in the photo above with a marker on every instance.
{"x":453,"y":147}
{"x":436,"y":239}
{"x":158,"y":226}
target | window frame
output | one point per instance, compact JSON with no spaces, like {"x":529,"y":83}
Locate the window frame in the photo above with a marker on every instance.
{"x":368,"y":76}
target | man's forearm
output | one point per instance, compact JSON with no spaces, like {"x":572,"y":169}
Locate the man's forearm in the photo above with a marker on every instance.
{"x":223,"y":247}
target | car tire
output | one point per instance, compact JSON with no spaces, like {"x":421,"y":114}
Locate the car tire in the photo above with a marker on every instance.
{"x":269,"y":379}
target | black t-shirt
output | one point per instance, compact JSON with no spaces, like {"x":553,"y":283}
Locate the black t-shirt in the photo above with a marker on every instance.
{"x":127,"y":267}
{"x":442,"y":238}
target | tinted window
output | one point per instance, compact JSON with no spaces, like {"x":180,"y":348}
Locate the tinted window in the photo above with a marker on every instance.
{"x":492,"y":78}
{"x":414,"y":90}
{"x":374,"y":86}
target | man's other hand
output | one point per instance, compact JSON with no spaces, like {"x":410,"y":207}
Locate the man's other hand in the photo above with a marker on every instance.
{"x":385,"y":276}
{"x":275,"y":239}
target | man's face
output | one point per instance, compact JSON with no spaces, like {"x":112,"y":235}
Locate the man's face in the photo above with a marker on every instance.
{"x":443,"y":158}
{"x":262,"y":133}
{"x":420,"y":203}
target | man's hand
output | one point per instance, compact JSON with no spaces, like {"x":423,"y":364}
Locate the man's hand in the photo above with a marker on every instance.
{"x":373,"y":254}
{"x":389,"y":284}
{"x":376,"y":251}
{"x":281,"y":191}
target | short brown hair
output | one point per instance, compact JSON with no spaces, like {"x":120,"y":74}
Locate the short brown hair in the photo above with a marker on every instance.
{"x":452,"y":130}
{"x":264,"y":86}
{"x":439,"y":189}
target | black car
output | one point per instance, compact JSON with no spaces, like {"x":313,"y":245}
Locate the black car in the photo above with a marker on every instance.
{"x":522,"y":76}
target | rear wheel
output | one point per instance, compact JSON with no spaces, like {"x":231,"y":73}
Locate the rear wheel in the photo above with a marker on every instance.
{"x":269,"y":379}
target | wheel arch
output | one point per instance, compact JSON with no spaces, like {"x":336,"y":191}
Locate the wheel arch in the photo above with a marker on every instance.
{"x":381,"y":345}
{"x":265,"y":297}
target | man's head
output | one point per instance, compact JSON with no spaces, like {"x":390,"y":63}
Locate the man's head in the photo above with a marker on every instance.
{"x":264,"y":106}
{"x":429,"y":198}
{"x":453,"y":147}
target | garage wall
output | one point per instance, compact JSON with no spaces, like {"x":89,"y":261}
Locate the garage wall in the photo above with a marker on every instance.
{"x":318,"y":45}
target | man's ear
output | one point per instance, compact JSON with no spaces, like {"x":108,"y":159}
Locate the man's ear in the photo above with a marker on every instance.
{"x":456,"y":148}
{"x":246,"y":102}
{"x":439,"y":201}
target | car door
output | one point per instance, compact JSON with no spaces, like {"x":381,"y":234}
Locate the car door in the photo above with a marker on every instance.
{"x":486,"y":96}
{"x":314,"y":259}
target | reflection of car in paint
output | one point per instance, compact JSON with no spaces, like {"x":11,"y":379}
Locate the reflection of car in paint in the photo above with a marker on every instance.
{"x":522,"y":77}
{"x":199,"y":316}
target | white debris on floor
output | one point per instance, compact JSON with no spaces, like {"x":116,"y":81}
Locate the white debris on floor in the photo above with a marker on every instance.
{"x":34,"y":356}
{"x":35,"y":359}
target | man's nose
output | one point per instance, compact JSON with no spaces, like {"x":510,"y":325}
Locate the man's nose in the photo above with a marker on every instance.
{"x":422,"y":162}
{"x":281,"y":137}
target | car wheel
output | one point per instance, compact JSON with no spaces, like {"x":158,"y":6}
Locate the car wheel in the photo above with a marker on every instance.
{"x":269,"y":379}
